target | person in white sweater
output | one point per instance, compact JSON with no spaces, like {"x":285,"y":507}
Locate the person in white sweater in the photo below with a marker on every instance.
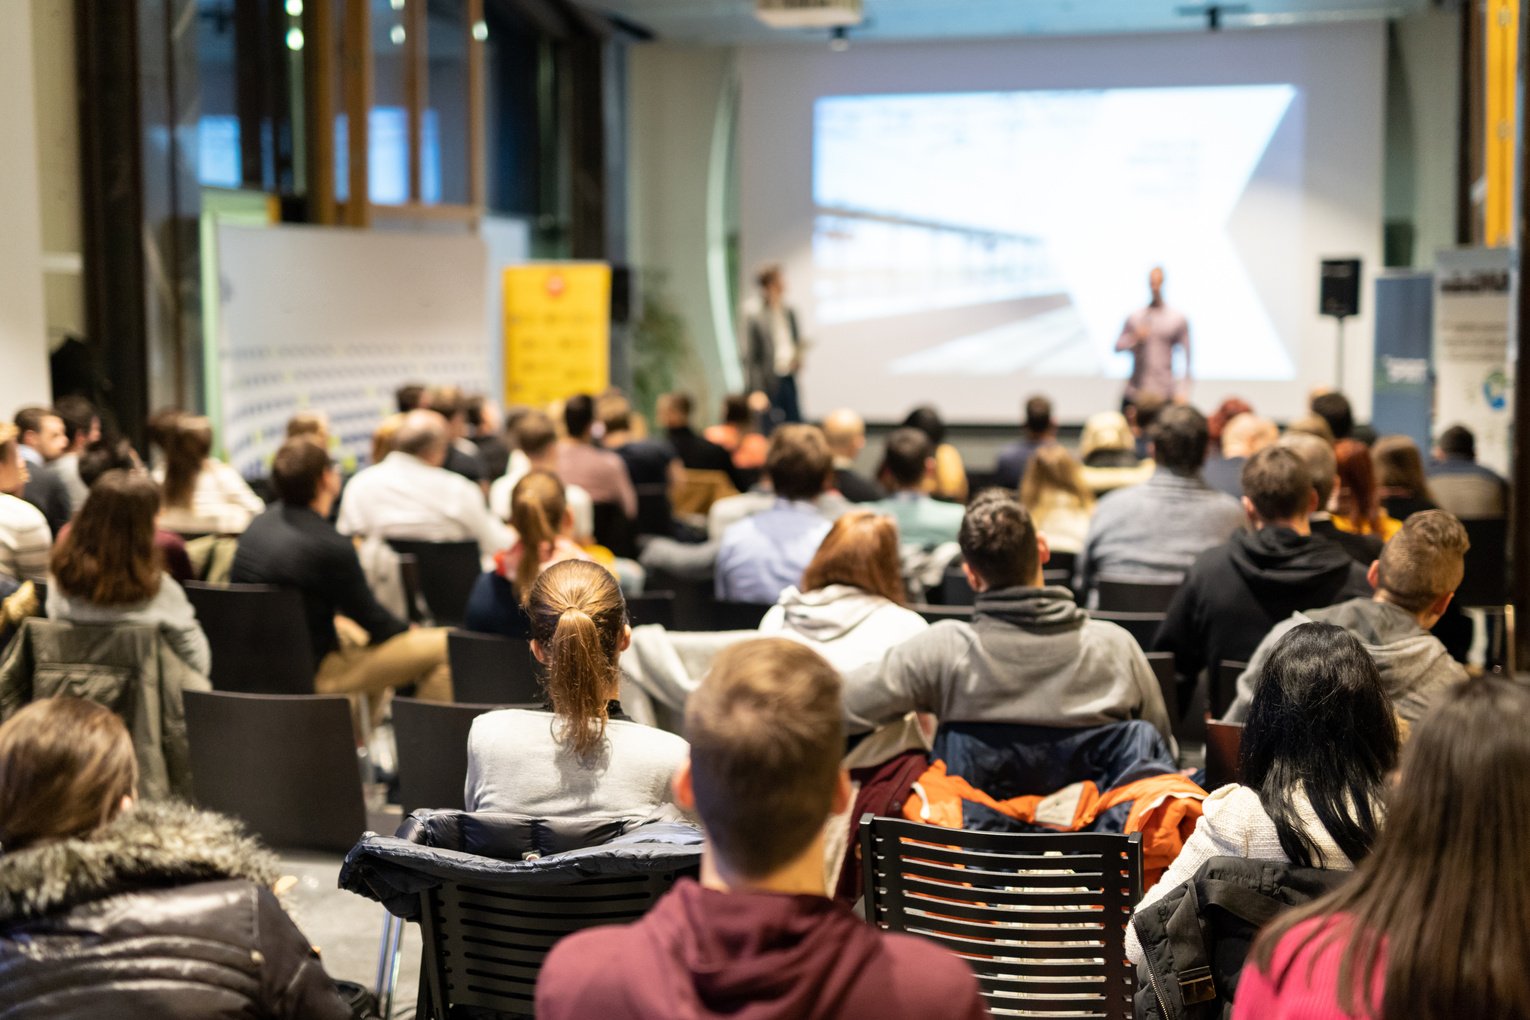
{"x":851,"y":607}
{"x":581,"y":759}
{"x":1319,"y":743}
{"x":202,"y":494}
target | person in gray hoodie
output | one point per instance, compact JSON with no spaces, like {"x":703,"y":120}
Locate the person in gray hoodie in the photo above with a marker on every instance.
{"x":1030,"y":655}
{"x":1414,"y":581}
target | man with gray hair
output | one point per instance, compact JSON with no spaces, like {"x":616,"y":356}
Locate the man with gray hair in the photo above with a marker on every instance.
{"x":410,"y":495}
{"x":1242,"y":437}
{"x":1323,"y":469}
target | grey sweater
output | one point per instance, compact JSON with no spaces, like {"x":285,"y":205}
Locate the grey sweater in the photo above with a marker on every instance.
{"x":1154,"y":531}
{"x":1030,"y":656}
{"x":169,"y":610}
{"x":1414,"y":666}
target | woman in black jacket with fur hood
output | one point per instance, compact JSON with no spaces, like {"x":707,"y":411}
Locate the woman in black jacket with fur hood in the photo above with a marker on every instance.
{"x":114,"y":909}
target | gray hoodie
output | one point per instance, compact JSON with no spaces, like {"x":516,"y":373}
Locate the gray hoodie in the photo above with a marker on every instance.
{"x":1414,"y":665}
{"x":1029,"y":656}
{"x":847,"y":626}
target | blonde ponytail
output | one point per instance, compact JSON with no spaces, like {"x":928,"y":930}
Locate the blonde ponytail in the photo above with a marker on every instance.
{"x":577,"y":616}
{"x":538,"y":505}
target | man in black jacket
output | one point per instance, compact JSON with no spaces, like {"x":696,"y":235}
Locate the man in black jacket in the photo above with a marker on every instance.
{"x":1235,"y":592}
{"x":293,"y":545}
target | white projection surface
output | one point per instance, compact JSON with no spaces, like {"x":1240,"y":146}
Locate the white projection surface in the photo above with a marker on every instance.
{"x":972,"y":223}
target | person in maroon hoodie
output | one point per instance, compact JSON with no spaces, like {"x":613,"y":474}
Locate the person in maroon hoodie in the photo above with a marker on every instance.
{"x":757,"y":938}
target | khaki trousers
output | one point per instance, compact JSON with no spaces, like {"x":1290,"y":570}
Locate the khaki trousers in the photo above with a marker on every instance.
{"x":414,"y":657}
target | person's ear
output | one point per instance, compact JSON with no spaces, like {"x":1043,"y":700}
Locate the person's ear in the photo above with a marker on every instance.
{"x":625,"y":641}
{"x":973,"y":579}
{"x":537,"y":653}
{"x":929,"y":467}
{"x":1373,"y":575}
{"x":1043,"y":550}
{"x":844,"y":794}
{"x":1438,"y":606}
{"x":1249,"y":512}
{"x":1312,"y":503}
{"x":685,"y":793}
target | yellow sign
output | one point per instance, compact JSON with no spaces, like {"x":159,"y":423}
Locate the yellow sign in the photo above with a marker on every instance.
{"x":557,"y":331}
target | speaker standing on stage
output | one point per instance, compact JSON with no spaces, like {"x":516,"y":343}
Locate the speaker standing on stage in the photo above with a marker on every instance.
{"x":1151,"y":334}
{"x":773,"y":349}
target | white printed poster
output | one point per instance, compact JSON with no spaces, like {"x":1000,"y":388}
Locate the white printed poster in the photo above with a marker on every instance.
{"x":1473,"y":306}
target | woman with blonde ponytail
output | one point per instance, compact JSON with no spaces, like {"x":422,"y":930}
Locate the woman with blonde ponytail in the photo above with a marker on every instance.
{"x":580,"y":757}
{"x":543,"y":526}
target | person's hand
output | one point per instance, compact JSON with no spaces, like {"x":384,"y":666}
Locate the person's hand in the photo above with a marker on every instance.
{"x":759,"y":403}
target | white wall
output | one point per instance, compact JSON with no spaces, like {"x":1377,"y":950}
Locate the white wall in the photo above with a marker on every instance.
{"x":23,"y":321}
{"x":1421,"y":145}
{"x":1340,"y":68}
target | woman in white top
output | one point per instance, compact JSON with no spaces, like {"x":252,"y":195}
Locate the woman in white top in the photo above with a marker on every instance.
{"x":581,"y":759}
{"x":106,"y":568}
{"x":24,"y":534}
{"x":1318,"y":745}
{"x":851,"y":607}
{"x":202,"y":494}
{"x":1059,"y":501}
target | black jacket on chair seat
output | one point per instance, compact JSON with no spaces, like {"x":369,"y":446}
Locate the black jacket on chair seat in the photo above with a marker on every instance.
{"x":166,"y":913}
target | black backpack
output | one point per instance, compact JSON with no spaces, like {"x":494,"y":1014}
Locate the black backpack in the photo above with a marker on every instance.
{"x":1195,"y":939}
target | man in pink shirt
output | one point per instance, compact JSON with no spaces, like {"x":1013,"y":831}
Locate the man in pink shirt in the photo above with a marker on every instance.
{"x":758,"y":938}
{"x":1151,"y":334}
{"x":599,"y":472}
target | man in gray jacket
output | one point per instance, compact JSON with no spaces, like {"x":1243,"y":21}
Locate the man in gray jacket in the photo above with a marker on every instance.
{"x":1414,"y":580}
{"x":1030,"y":655}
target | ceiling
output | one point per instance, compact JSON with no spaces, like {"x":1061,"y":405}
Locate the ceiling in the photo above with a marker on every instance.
{"x":732,"y":22}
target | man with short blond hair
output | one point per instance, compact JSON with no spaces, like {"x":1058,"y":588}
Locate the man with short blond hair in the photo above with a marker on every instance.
{"x":846,"y":433}
{"x":757,"y":936}
{"x":1243,"y":436}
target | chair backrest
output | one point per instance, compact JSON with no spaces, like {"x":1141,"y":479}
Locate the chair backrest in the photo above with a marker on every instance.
{"x":1040,"y":917}
{"x":259,"y":637}
{"x":1123,"y":595}
{"x":615,"y":530}
{"x":447,"y":573}
{"x":655,"y":516}
{"x":284,"y":764}
{"x":652,"y":607}
{"x":734,"y":615}
{"x":934,"y":614}
{"x":1224,"y":686}
{"x":432,"y":752}
{"x":491,"y":670}
{"x":701,"y":488}
{"x":1141,"y":626}
{"x":1486,"y":581}
{"x":1224,"y":753}
{"x":1162,"y":664}
{"x":955,"y":589}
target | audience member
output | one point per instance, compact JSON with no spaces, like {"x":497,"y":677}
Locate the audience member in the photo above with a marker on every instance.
{"x":1356,"y":504}
{"x":1459,"y":483}
{"x":1054,"y":493}
{"x":311,"y":425}
{"x":1142,"y":414}
{"x":1334,"y":409}
{"x":1323,"y":472}
{"x":1311,"y":424}
{"x":293,"y":545}
{"x":158,"y":430}
{"x":1216,"y":422}
{"x":765,"y":553}
{"x":43,"y":440}
{"x":729,"y":511}
{"x":385,"y":437}
{"x":738,"y":435}
{"x":105,"y":569}
{"x":950,"y":479}
{"x":1154,"y":531}
{"x":202,"y":494}
{"x":694,"y":451}
{"x":1318,"y":746}
{"x":1400,"y":480}
{"x":908,"y":463}
{"x":411,"y":496}
{"x":82,"y":426}
{"x":114,"y":908}
{"x":1414,"y":580}
{"x":650,"y":462}
{"x":543,"y":529}
{"x":24,"y":535}
{"x":599,"y":472}
{"x":1237,"y":591}
{"x":486,"y":432}
{"x":462,"y":456}
{"x":1038,"y":430}
{"x":1241,"y":438}
{"x":1433,"y":925}
{"x":846,"y":434}
{"x":409,"y":397}
{"x":1030,"y":655}
{"x":851,"y":606}
{"x":119,"y":455}
{"x":1107,"y":450}
{"x":537,"y":442}
{"x":757,"y":936}
{"x":584,"y":759}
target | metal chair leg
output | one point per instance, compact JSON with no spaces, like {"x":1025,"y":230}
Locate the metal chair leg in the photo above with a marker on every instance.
{"x":389,"y":953}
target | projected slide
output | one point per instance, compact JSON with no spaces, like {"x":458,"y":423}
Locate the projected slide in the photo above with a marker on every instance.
{"x":1010,"y":233}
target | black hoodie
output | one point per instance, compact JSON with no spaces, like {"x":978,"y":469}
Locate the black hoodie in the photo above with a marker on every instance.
{"x":1237,"y":591}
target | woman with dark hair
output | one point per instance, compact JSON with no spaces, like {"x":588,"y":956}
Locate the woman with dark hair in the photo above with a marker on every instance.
{"x":106,"y":569}
{"x":581,"y":759}
{"x":1356,"y":503}
{"x":202,"y":494}
{"x":111,"y":908}
{"x":1435,"y":924}
{"x":1318,"y":744}
{"x":851,"y":607}
{"x":950,"y":481}
{"x":1402,"y":485}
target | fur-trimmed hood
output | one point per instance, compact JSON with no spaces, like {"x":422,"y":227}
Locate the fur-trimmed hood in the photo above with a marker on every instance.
{"x":155,"y":845}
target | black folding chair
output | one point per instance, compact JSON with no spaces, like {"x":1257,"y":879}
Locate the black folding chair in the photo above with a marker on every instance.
{"x":955,"y":589}
{"x":1122,"y":595}
{"x":447,"y":572}
{"x":1141,"y":626}
{"x":934,"y":614}
{"x":259,"y":637}
{"x":284,"y":764}
{"x":491,"y":670}
{"x":432,"y":752}
{"x":615,"y":530}
{"x":655,"y":516}
{"x":652,"y":607}
{"x":1224,"y":686}
{"x":1224,"y":753}
{"x":1162,"y":664}
{"x":1040,"y":917}
{"x":1059,"y":569}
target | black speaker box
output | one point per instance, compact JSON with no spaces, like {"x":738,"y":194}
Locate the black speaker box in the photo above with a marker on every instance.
{"x":1339,"y":288}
